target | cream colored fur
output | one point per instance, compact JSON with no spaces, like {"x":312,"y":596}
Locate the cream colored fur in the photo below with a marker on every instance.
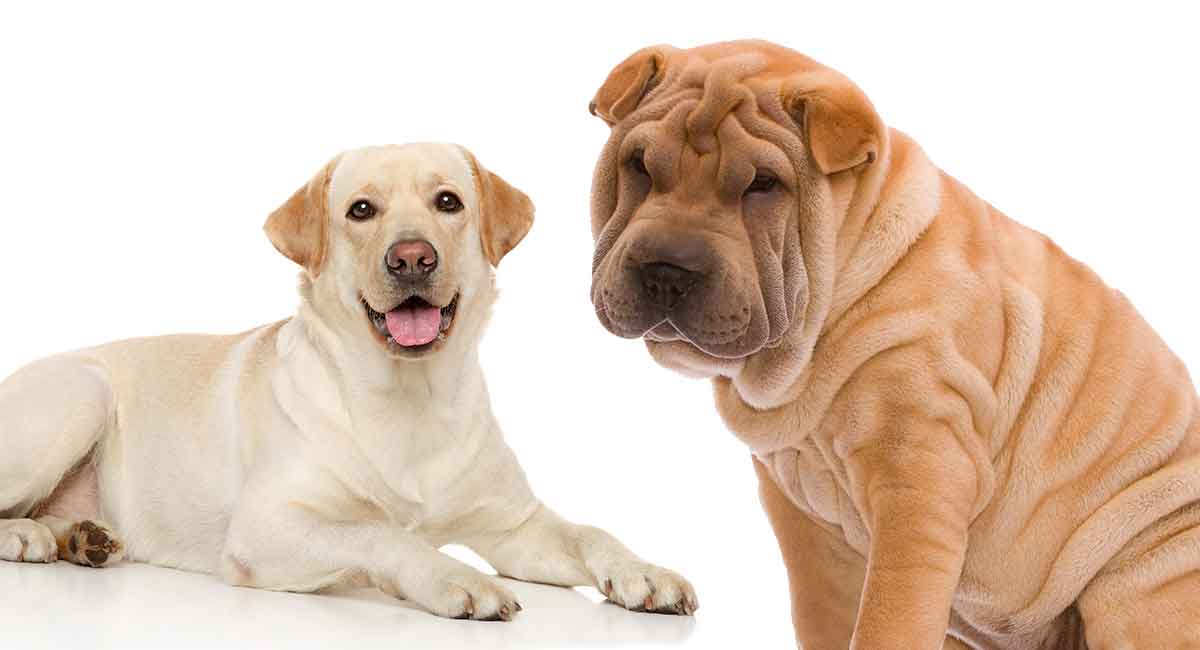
{"x":304,"y":454}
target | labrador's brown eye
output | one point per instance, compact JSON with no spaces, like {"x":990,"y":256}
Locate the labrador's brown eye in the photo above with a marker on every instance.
{"x":762,"y":183}
{"x":637,"y":163}
{"x":448,"y":202}
{"x":361,"y":211}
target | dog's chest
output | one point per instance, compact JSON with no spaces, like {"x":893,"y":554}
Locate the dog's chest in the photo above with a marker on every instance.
{"x":419,"y":462}
{"x":403,"y":449}
{"x":815,"y":480}
{"x":411,"y":462}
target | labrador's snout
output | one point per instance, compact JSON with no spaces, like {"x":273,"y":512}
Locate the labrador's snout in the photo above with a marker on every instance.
{"x":410,"y":259}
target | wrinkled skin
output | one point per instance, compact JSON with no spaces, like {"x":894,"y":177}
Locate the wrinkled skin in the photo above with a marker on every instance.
{"x":958,"y":429}
{"x":688,"y":203}
{"x":681,"y":182}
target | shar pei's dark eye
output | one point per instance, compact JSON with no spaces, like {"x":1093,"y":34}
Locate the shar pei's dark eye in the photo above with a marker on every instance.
{"x":447,"y":202}
{"x":361,"y":211}
{"x":762,"y":183}
{"x":637,"y":163}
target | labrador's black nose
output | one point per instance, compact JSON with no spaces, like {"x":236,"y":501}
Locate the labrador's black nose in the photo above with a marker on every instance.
{"x":411,"y":258}
{"x":665,"y":284}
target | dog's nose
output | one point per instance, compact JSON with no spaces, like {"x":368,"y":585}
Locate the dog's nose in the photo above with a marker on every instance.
{"x":411,"y":257}
{"x":664,"y":284}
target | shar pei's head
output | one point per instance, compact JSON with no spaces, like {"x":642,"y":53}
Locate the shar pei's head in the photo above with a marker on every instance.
{"x":718,"y":198}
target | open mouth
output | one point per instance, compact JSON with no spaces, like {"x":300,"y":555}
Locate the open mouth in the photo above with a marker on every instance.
{"x":414,"y":325}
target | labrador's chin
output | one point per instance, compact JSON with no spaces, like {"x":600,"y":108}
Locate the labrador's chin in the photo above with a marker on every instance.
{"x":414,"y":328}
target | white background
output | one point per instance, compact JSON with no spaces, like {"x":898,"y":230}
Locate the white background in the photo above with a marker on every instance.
{"x":142,"y":146}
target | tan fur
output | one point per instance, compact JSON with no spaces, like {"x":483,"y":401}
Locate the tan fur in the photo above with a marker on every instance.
{"x":506,"y":215}
{"x":839,"y":123}
{"x":627,"y":84}
{"x":297,"y":228}
{"x":962,"y":430}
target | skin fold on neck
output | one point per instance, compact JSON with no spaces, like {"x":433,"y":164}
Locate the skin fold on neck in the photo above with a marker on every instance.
{"x":759,"y":395}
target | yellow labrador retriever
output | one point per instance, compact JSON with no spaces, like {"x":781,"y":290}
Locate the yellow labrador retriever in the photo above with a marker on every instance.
{"x":958,"y":428}
{"x":341,"y":446}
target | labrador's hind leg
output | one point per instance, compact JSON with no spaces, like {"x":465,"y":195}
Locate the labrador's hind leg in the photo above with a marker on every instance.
{"x":52,"y":414}
{"x":72,"y":513}
{"x":86,"y":543}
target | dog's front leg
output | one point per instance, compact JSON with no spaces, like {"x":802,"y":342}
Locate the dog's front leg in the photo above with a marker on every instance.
{"x":917,"y":494}
{"x":295,"y":546}
{"x":825,"y":574}
{"x":548,"y":549}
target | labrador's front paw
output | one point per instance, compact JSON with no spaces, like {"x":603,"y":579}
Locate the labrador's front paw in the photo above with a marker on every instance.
{"x":468,"y":594}
{"x":644,"y":587}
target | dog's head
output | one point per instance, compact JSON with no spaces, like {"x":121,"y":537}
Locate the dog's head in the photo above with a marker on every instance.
{"x":402,"y":239}
{"x":717,"y":199}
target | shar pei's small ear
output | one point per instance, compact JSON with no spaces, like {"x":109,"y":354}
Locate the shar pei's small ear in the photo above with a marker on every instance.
{"x":837,"y":120}
{"x":629,"y":83}
{"x":297,"y":228}
{"x":505,"y":213}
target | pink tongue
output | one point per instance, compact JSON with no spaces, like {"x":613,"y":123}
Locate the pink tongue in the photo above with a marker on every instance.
{"x":411,"y":326}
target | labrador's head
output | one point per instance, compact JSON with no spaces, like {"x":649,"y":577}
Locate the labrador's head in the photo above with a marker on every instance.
{"x":717,"y":199}
{"x":402,"y":241}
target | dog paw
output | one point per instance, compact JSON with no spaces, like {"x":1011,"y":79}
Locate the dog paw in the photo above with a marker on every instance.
{"x":25,"y":540}
{"x":91,"y":543}
{"x":467,"y":595}
{"x":643,"y":587}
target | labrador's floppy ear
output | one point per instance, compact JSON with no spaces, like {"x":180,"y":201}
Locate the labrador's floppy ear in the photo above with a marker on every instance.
{"x":297,"y":228}
{"x":505,"y":213}
{"x":629,"y":83}
{"x":838,"y":122}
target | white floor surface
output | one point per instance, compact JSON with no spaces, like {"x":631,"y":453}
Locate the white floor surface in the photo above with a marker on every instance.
{"x":139,"y":606}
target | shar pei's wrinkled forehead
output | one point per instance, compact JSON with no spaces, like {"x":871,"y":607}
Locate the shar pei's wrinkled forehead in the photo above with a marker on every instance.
{"x":719,"y":195}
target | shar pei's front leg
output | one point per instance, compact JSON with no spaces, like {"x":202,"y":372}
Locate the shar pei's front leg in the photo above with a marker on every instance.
{"x":825,"y":575}
{"x":917,"y":488}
